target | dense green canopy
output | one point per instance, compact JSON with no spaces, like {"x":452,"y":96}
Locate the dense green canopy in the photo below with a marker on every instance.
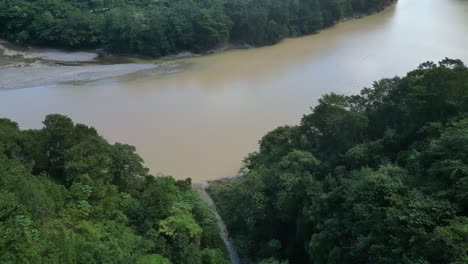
{"x":380,"y":177}
{"x":159,"y":27}
{"x":68,"y":196}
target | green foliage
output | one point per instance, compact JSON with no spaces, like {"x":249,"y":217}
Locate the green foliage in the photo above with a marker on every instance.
{"x":155,"y":28}
{"x":380,"y":177}
{"x":68,"y":196}
{"x":153,"y":259}
{"x":272,"y":261}
{"x":213,"y":256}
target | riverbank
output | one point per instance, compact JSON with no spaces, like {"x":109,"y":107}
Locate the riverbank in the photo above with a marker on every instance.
{"x":23,"y":67}
{"x":241,"y":46}
{"x":101,"y":55}
{"x":35,"y":67}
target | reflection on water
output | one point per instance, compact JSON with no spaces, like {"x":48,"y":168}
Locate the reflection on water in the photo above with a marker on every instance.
{"x":201,"y":122}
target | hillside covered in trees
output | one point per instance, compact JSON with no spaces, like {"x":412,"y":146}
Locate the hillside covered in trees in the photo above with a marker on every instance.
{"x":68,"y":196}
{"x":379,"y":177}
{"x":159,"y":27}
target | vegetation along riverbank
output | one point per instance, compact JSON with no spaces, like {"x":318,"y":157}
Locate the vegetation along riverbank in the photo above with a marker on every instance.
{"x":68,"y":196}
{"x":379,"y":177}
{"x":158,"y":28}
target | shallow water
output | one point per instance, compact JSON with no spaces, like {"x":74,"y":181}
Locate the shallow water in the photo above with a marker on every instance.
{"x":201,"y":122}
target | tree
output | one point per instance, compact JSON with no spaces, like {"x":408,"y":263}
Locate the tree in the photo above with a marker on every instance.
{"x":68,"y":196}
{"x":379,"y":177}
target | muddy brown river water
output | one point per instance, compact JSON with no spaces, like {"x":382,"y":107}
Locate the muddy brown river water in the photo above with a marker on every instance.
{"x":200,"y":122}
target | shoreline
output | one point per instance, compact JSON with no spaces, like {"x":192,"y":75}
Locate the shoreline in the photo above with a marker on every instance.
{"x":242,"y":46}
{"x":99,"y":56}
{"x":27,"y":67}
{"x":36,"y":67}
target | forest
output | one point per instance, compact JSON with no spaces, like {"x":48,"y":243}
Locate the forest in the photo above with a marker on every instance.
{"x":379,"y":177}
{"x":160,"y":27}
{"x":68,"y":196}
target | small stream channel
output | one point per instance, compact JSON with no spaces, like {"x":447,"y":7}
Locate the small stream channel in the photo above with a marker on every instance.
{"x":201,"y":188}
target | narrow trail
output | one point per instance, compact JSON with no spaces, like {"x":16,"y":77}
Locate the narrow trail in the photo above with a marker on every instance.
{"x":223,"y":232}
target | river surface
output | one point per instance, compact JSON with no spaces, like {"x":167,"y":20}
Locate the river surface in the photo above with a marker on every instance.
{"x":200,"y":122}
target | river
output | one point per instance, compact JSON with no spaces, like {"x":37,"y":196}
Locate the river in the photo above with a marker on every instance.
{"x":201,"y":121}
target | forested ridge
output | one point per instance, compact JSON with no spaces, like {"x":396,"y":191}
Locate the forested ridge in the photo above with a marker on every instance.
{"x":379,"y":177}
{"x":68,"y":196}
{"x":160,"y":27}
